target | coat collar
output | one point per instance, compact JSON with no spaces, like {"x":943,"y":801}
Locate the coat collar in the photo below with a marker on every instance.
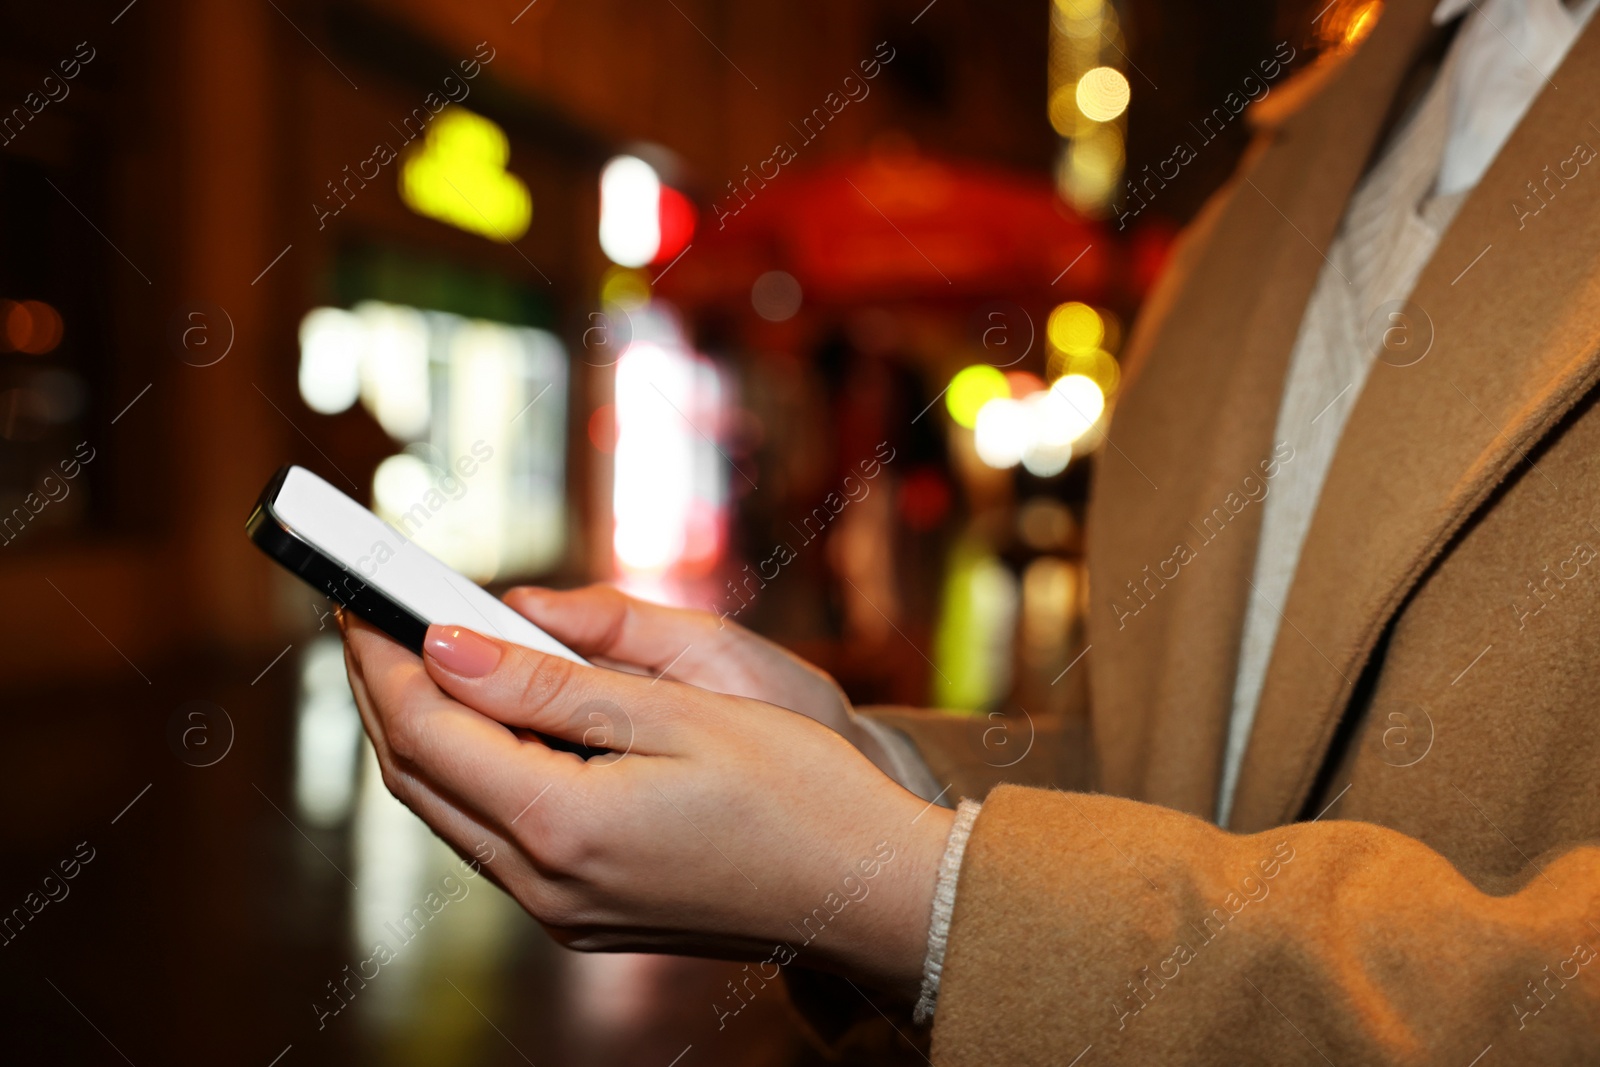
{"x":1508,"y":298}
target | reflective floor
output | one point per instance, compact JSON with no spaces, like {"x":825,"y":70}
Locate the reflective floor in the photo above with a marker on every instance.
{"x":200,"y":869}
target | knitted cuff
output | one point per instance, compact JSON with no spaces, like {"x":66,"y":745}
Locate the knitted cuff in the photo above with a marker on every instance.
{"x":944,"y":902}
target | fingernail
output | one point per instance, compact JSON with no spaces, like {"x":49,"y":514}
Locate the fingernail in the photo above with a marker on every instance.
{"x":461,"y":651}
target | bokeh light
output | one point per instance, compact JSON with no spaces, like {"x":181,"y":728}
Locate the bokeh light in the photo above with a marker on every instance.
{"x":1090,"y":168}
{"x":776,"y":296}
{"x":1040,"y":429}
{"x":1102,"y":94}
{"x":30,"y":326}
{"x":1073,"y":405}
{"x":971,"y":389}
{"x":1080,"y":18}
{"x":459,"y":177}
{"x":1063,"y":110}
{"x":1096,"y":364}
{"x":1002,"y":432}
{"x":1045,"y":524}
{"x":630,"y":211}
{"x":675,"y":219}
{"x":1023,"y":383}
{"x":331,"y":343}
{"x":625,"y":288}
{"x":399,"y":482}
{"x":1049,"y":596}
{"x":16,"y":325}
{"x":1075,"y":327}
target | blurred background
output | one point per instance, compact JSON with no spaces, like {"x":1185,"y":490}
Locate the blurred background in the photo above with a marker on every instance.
{"x":809,"y":315}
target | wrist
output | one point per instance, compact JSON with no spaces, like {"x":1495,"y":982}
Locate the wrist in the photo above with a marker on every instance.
{"x":910,"y":942}
{"x":884,"y":944}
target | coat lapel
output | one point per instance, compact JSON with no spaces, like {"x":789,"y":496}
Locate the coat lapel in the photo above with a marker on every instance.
{"x":1512,"y":305}
{"x":1209,"y":359}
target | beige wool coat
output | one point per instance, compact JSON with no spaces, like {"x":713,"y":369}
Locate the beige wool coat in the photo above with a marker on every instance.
{"x":1411,"y":872}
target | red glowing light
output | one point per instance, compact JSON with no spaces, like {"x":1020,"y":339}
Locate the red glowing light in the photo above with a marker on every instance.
{"x":603,"y":428}
{"x":31,"y":326}
{"x":1022,"y":383}
{"x":677,"y":218}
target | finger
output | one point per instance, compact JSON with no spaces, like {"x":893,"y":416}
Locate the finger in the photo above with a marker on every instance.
{"x":522,"y":687}
{"x":487,"y":848}
{"x":454,"y":749}
{"x":602,"y":622}
{"x":363,"y":698}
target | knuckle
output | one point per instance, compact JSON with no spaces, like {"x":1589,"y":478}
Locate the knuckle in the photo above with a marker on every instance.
{"x":559,"y":912}
{"x":406,"y":734}
{"x":561,"y":909}
{"x":709,"y":622}
{"x":556,"y":842}
{"x":543,"y":843}
{"x":614,"y":607}
{"x":402,"y":745}
{"x":397,"y":782}
{"x":544,"y":680}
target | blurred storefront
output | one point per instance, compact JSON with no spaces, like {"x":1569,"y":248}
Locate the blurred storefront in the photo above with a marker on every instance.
{"x":808,"y":317}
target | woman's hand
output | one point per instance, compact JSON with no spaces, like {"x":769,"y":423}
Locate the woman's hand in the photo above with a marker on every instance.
{"x":605,"y":625}
{"x":725,"y":826}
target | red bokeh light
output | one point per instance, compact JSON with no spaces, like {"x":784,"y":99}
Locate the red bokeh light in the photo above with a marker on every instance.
{"x":677,"y":218}
{"x":30,"y":326}
{"x":603,"y":428}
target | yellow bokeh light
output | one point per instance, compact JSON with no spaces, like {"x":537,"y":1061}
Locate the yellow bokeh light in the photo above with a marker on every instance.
{"x":624,"y":288}
{"x":1098,"y":365}
{"x":1081,"y":18}
{"x":971,"y":389}
{"x":1064,"y":116}
{"x":1102,"y":94}
{"x":1090,"y":168}
{"x":459,"y":177}
{"x":1080,"y":9}
{"x":1112,"y":341}
{"x":1075,"y":327}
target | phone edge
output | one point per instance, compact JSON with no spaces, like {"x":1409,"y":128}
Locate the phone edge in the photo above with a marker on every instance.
{"x":274,"y":537}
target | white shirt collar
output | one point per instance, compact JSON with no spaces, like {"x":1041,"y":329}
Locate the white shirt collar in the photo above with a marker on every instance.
{"x":1506,"y":52}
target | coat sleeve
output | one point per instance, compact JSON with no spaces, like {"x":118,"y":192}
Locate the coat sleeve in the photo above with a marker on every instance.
{"x":972,"y":753}
{"x":1149,"y":936}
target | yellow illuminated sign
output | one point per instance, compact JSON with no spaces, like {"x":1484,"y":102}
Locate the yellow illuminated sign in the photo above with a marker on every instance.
{"x":458,"y":176}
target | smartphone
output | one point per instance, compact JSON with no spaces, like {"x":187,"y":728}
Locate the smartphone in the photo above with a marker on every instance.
{"x":346,"y":552}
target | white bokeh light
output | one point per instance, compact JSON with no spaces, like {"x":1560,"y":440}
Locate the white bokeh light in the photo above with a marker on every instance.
{"x":1040,"y":430}
{"x":1069,"y":408}
{"x":1002,"y":433}
{"x":330,"y":360}
{"x":630,"y":211}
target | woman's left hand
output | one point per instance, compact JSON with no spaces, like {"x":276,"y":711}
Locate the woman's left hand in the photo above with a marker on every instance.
{"x":721,"y":826}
